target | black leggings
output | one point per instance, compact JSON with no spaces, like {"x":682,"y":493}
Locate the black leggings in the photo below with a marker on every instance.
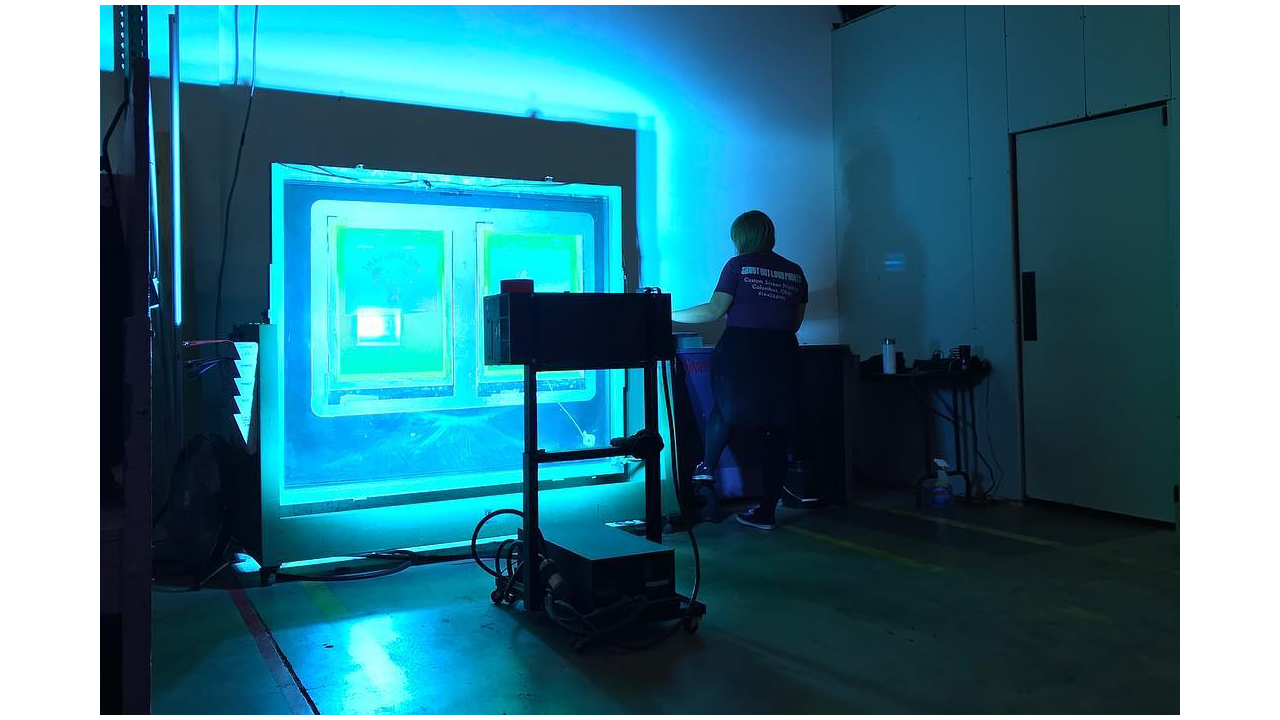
{"x":772,"y":444}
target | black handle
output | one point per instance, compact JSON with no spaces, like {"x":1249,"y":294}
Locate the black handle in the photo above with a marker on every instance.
{"x":1029,"y":307}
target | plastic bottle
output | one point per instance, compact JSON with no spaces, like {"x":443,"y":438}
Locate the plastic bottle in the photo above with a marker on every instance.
{"x":942,"y":485}
{"x":890,"y":351}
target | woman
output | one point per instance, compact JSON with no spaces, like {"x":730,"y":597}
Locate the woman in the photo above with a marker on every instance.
{"x":754,"y":364}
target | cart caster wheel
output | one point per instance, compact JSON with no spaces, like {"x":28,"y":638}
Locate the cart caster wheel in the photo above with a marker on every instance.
{"x":267,"y":575}
{"x":496,"y":597}
{"x":690,"y":624}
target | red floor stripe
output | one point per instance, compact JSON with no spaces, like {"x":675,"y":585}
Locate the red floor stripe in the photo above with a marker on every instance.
{"x":287,"y":681}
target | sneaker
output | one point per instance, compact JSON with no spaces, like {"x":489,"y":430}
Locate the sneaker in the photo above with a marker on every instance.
{"x":754,"y":518}
{"x":702,"y":474}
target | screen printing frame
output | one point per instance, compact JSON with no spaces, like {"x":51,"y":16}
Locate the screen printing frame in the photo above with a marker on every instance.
{"x":298,"y":524}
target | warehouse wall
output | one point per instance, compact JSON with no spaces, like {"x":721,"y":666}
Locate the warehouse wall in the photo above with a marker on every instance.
{"x":924,"y":101}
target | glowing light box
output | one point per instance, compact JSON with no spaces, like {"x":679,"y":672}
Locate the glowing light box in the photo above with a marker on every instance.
{"x":389,"y":316}
{"x":553,"y":262}
{"x":377,"y":287}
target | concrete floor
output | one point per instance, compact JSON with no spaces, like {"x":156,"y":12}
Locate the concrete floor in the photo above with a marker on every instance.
{"x":870,"y":608}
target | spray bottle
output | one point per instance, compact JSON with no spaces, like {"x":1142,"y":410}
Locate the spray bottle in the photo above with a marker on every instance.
{"x":942,"y":485}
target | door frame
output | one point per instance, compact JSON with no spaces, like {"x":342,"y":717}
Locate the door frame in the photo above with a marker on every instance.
{"x":1017,"y":262}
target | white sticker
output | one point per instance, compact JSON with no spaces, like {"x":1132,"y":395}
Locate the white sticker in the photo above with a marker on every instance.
{"x":247,"y":351}
{"x":242,"y":422}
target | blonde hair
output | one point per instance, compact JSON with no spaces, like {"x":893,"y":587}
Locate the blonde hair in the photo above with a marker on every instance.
{"x":752,"y":232}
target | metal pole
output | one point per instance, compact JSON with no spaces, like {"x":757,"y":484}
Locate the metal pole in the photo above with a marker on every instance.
{"x":926,"y":435}
{"x":139,"y":462}
{"x":973,"y":419}
{"x":652,"y":463}
{"x":532,"y":535}
{"x":956,"y":427}
{"x":175,"y":152}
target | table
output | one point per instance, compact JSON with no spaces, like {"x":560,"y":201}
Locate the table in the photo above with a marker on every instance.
{"x":961,"y":384}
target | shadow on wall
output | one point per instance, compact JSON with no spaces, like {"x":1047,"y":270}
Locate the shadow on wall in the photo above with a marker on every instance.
{"x":881,"y":290}
{"x":822,"y":303}
{"x":882,"y":281}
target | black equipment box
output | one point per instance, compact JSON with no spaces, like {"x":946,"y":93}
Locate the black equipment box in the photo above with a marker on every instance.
{"x":603,"y":565}
{"x":577,"y":331}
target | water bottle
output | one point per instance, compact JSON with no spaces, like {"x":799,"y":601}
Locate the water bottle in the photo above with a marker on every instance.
{"x":890,"y":354}
{"x":942,"y":485}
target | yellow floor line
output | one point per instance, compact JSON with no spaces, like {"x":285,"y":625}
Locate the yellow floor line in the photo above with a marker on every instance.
{"x":1079,"y":612}
{"x":965,"y":526}
{"x":862,"y":549}
{"x":1031,"y":539}
{"x":325,"y":600}
{"x":1071,"y":610}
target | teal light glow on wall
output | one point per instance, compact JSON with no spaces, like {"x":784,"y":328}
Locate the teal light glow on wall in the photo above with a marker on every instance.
{"x":720,"y":127}
{"x":106,"y":38}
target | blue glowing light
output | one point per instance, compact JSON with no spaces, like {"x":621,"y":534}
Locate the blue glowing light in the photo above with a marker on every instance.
{"x":377,"y":682}
{"x":175,"y":140}
{"x":376,"y":400}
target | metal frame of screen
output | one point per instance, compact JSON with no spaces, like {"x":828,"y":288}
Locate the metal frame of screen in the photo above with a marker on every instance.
{"x":344,"y":516}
